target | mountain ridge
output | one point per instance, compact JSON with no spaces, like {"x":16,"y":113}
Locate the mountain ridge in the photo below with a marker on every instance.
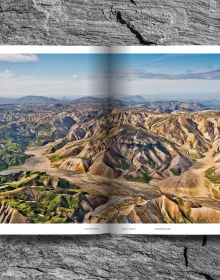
{"x":136,"y":100}
{"x":95,"y":163}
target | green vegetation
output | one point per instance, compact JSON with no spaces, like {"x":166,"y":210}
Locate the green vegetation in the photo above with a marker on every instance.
{"x":200,"y":220}
{"x":212,"y":176}
{"x":180,"y":201}
{"x":54,"y":157}
{"x":57,"y":145}
{"x":194,"y":156}
{"x":144,"y":177}
{"x":11,"y":154}
{"x":3,"y":165}
{"x":216,"y":193}
{"x":19,"y":130}
{"x":23,"y":180}
{"x":198,"y":149}
{"x":33,"y":194}
{"x":162,"y":120}
{"x":123,"y":165}
{"x":45,"y":135}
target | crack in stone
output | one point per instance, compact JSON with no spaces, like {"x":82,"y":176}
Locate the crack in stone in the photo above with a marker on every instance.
{"x":133,"y":2}
{"x":97,"y":276}
{"x":29,"y":267}
{"x":207,"y":276}
{"x":140,"y":38}
{"x":186,"y":256}
{"x":12,"y":11}
{"x":69,"y":269}
{"x":204,"y":241}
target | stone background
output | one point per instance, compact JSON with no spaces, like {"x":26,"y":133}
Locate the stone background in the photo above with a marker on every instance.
{"x":109,"y":257}
{"x":110,"y":22}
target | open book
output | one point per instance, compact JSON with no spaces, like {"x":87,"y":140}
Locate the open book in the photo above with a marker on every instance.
{"x":120,"y":140}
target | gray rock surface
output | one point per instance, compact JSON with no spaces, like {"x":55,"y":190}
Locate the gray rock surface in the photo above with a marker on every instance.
{"x":109,"y":257}
{"x":110,"y":22}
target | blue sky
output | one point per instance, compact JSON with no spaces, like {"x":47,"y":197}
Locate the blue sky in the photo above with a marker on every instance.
{"x":62,"y":66}
{"x":167,"y":63}
{"x":167,"y":76}
{"x":161,"y":76}
{"x":55,"y":75}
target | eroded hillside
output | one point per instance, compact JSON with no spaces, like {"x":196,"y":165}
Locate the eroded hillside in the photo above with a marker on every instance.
{"x":120,"y":165}
{"x":139,"y":145}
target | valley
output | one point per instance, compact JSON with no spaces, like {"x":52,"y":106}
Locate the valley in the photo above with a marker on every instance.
{"x":109,"y":162}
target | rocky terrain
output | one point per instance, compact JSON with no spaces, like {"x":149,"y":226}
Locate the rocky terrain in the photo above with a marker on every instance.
{"x":176,"y":152}
{"x":24,"y":125}
{"x":101,"y":163}
{"x":138,"y":22}
{"x":137,"y":144}
{"x":10,"y":215}
{"x":31,"y":120}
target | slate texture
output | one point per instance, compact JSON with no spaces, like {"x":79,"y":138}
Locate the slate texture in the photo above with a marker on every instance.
{"x":109,"y":257}
{"x":110,"y":22}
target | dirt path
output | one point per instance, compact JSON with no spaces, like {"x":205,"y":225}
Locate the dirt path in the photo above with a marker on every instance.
{"x":88,"y":183}
{"x":190,"y":183}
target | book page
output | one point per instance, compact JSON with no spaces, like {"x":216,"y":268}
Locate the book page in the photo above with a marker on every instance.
{"x":53,"y":110}
{"x":165,"y":140}
{"x":120,"y":140}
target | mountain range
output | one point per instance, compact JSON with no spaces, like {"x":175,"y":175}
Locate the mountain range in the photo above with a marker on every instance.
{"x":131,"y":161}
{"x":136,"y":100}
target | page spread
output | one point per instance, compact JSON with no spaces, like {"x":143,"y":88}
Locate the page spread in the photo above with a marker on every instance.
{"x":109,"y":140}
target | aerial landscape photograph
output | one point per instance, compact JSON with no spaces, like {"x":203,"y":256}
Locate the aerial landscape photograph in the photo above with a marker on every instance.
{"x":110,"y":138}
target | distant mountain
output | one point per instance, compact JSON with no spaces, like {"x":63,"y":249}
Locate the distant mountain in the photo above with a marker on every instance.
{"x":98,"y":100}
{"x":170,"y":106}
{"x":30,"y":99}
{"x":88,"y":100}
{"x":164,"y":106}
{"x":36,"y":100}
{"x":212,"y":104}
{"x":4,"y":100}
{"x":135,"y":99}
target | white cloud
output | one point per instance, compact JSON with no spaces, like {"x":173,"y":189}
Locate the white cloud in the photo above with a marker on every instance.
{"x":12,"y":85}
{"x":6,"y":74}
{"x":18,"y":58}
{"x":175,"y":88}
{"x":188,"y":75}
